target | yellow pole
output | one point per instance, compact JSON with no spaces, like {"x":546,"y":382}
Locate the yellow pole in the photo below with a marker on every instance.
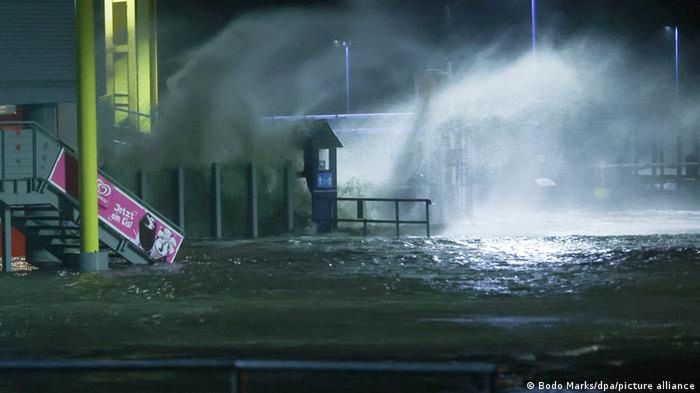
{"x":87,"y":125}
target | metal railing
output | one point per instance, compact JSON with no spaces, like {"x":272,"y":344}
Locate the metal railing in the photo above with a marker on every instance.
{"x":18,"y":126}
{"x":484,"y":374}
{"x":360,"y":213}
{"x":35,"y":178}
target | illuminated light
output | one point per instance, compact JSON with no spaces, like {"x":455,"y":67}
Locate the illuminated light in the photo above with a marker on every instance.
{"x":8,"y":109}
{"x":131,"y":62}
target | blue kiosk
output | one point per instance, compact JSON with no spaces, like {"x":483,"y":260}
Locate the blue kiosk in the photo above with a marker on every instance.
{"x":320,"y":145}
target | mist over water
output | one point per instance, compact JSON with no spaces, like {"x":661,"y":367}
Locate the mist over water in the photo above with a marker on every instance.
{"x":520,"y":116}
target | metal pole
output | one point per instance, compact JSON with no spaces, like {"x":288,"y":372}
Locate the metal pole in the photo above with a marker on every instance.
{"x":87,"y":127}
{"x":396,"y":209}
{"x":676,"y":57}
{"x":679,"y":159}
{"x":346,"y":44}
{"x":533,"y":6}
{"x":6,"y":238}
{"x":662,"y":168}
{"x":4,"y":158}
{"x":427,"y":218}
{"x":216,"y":200}
{"x":289,"y":196}
{"x":234,"y":381}
{"x":180,"y":179}
{"x":141,"y":179}
{"x":253,"y":201}
{"x":34,"y":160}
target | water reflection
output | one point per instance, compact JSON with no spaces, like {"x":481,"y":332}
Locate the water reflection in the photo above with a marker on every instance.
{"x":340,"y":296}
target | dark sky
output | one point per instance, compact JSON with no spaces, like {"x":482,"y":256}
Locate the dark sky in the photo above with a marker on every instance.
{"x":633,"y":18}
{"x":637,"y":24}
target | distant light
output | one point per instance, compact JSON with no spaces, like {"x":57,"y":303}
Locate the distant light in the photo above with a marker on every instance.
{"x":545,"y":182}
{"x":668,"y":28}
{"x":8,"y":109}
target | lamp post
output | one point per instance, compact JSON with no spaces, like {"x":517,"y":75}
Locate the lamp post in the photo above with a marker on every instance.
{"x":533,"y":18}
{"x":346,"y":45}
{"x":679,"y":148}
{"x":674,"y":29}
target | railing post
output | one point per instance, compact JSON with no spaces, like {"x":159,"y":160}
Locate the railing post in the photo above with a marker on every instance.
{"x":216,"y":200}
{"x":180,"y":196}
{"x":427,"y":217}
{"x":141,"y":184}
{"x":662,"y":167}
{"x":679,"y":158}
{"x":6,"y":238}
{"x":4,"y":158}
{"x":33,"y":181}
{"x":289,"y":197}
{"x":396,"y":210}
{"x":653,"y":158}
{"x":252,"y":201}
{"x":234,"y":380}
{"x":361,"y":214}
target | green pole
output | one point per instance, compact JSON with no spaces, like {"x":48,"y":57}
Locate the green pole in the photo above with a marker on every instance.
{"x":87,"y":126}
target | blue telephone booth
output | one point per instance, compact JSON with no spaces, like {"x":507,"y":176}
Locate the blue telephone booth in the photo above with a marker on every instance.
{"x":321,"y":172}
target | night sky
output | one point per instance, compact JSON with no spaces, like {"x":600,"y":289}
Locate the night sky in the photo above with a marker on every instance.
{"x":635,"y":24}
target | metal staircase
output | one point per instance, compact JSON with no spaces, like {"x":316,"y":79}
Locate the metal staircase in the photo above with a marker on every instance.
{"x":47,"y":215}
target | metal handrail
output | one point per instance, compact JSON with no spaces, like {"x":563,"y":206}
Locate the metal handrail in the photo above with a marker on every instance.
{"x":132,"y":112}
{"x":360,"y":209}
{"x":672,"y":164}
{"x":236,"y":368}
{"x":126,"y":191}
{"x":339,"y":116}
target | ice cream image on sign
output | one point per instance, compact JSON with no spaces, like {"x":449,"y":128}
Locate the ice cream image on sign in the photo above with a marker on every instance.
{"x":165,"y":244}
{"x":147,"y":232}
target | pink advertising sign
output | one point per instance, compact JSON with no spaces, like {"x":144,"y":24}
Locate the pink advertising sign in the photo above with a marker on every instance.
{"x":121,"y":212}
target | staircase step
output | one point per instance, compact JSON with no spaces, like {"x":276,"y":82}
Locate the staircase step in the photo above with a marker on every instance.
{"x":39,"y":218}
{"x":59,"y":236}
{"x":54,"y":227}
{"x":61,"y":243}
{"x":33,"y":208}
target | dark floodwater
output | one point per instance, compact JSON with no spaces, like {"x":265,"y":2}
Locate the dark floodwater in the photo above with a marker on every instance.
{"x":616,"y":307}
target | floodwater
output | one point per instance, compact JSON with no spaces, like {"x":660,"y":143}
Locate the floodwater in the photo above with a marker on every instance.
{"x":566,"y":307}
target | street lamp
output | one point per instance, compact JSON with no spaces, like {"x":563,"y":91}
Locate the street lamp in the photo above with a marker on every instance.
{"x":678,"y":135}
{"x":533,"y":13}
{"x":346,"y":45}
{"x":675,"y":49}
